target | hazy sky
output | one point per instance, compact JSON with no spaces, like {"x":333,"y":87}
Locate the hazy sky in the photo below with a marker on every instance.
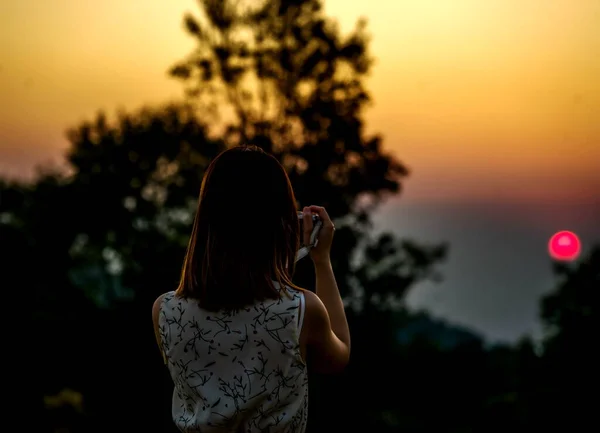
{"x":487,"y":101}
{"x":476,"y":96}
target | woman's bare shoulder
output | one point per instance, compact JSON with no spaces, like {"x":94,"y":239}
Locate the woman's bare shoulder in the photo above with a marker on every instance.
{"x":315,"y":313}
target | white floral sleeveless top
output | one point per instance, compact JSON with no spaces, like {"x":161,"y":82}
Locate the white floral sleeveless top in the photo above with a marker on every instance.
{"x":236,"y":372}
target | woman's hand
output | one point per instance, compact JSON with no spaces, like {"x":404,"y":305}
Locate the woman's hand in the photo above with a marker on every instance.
{"x":320,"y":253}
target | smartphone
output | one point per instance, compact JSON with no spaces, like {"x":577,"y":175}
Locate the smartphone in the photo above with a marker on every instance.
{"x":314,"y":236}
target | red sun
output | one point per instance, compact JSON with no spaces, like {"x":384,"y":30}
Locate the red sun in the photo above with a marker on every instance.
{"x":564,"y":246}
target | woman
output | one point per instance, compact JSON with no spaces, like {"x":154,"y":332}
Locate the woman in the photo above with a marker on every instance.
{"x":236,"y":333}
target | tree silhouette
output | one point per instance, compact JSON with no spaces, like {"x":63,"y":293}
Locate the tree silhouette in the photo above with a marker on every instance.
{"x":571,"y":314}
{"x":279,"y":74}
{"x":136,"y":180}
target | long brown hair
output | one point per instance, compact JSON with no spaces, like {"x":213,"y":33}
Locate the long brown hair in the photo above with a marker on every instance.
{"x":245,"y":233}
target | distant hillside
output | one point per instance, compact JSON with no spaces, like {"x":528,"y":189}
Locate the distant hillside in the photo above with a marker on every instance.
{"x":445,"y":336}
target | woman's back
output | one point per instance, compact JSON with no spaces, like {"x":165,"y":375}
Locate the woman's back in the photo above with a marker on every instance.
{"x":240,"y":371}
{"x":244,"y":371}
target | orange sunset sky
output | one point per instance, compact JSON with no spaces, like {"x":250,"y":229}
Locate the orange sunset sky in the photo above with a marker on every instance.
{"x":494,"y":98}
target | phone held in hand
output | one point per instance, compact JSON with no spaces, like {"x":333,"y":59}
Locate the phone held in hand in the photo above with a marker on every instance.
{"x":314,"y":235}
